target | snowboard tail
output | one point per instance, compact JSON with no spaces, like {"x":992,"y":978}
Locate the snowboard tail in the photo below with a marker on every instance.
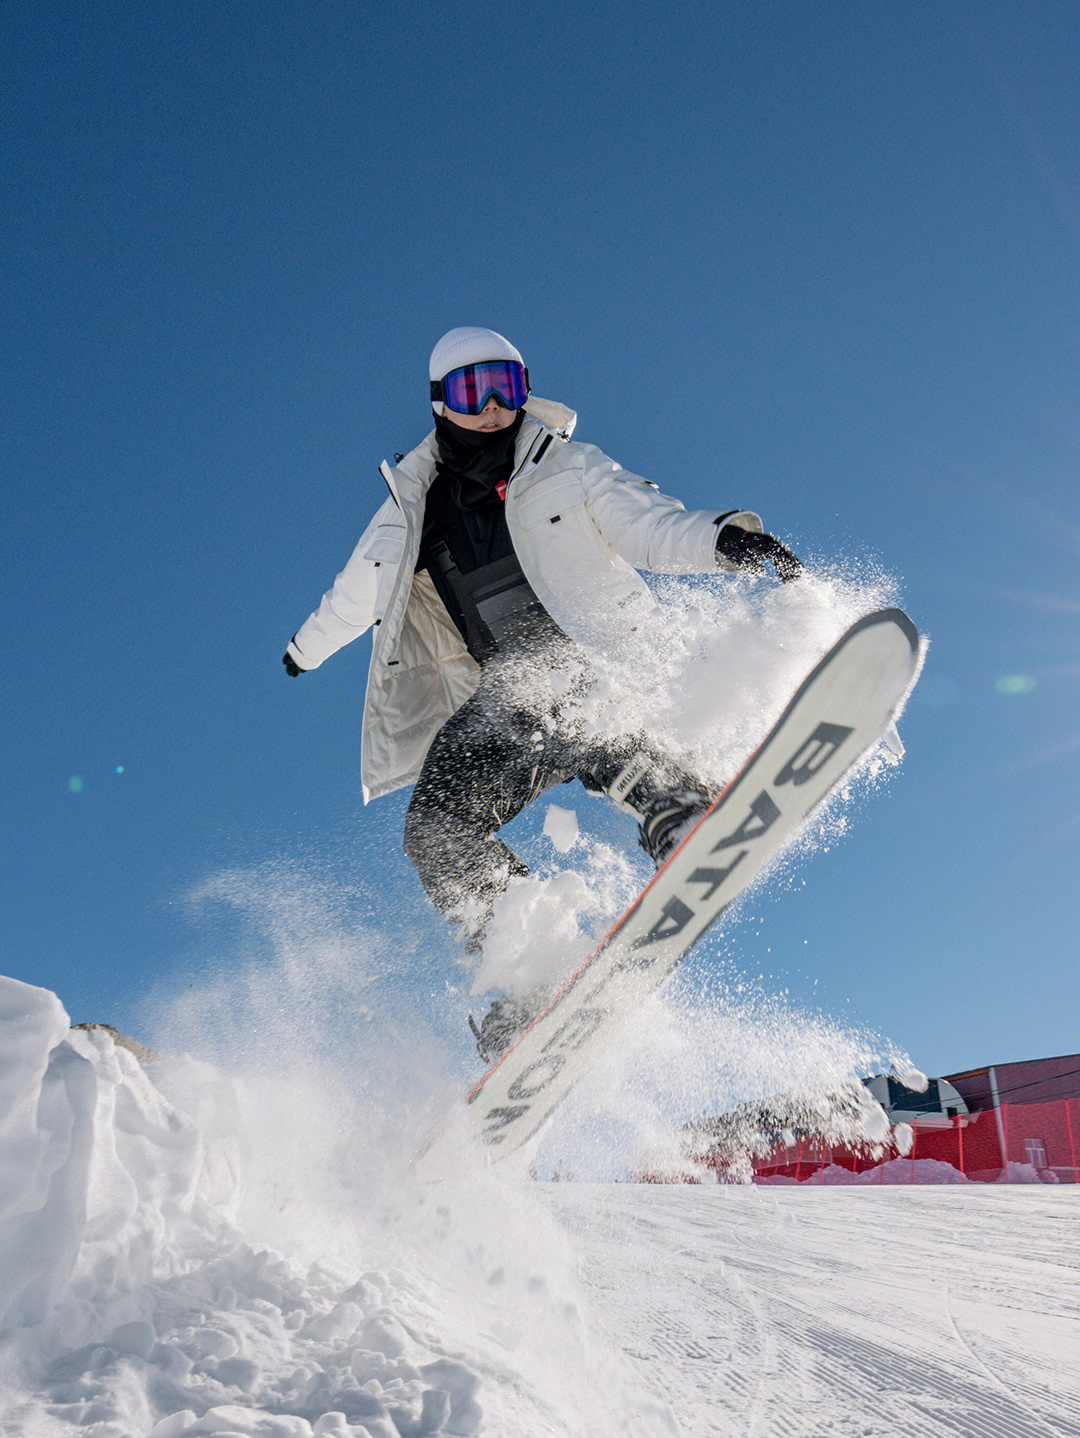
{"x":840,"y":712}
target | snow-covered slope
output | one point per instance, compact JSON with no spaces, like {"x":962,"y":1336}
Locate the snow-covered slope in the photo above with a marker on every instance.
{"x":809,"y":1311}
{"x":140,"y":1296}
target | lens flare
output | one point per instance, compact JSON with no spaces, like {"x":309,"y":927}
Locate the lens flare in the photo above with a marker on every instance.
{"x":75,"y":784}
{"x":1015,"y":684}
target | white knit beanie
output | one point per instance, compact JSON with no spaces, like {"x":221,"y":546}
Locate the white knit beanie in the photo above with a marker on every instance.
{"x":470,"y":345}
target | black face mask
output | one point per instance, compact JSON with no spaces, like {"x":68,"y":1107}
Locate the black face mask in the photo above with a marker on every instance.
{"x":473,"y":461}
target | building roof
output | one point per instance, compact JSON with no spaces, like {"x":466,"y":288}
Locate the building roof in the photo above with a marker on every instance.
{"x":1029,"y":1081}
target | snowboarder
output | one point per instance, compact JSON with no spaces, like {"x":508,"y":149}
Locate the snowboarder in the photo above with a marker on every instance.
{"x":498,"y":573}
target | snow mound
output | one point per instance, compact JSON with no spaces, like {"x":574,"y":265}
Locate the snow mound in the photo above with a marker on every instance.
{"x":97,"y":1170}
{"x":896,"y":1170}
{"x":132,"y":1303}
{"x":1026,"y":1173}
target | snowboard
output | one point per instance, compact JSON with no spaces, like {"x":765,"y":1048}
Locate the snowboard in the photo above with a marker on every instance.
{"x":838,"y":714}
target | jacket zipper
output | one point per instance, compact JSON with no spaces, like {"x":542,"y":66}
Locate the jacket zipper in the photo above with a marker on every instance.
{"x":524,"y":458}
{"x":524,"y":461}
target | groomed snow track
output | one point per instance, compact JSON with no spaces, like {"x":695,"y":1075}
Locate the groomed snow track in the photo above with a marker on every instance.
{"x":922,"y":1311}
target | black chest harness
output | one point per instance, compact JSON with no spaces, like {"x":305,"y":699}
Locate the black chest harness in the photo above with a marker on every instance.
{"x":495,"y":607}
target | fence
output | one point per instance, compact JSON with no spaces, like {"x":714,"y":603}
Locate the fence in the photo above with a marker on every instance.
{"x":1043,"y":1139}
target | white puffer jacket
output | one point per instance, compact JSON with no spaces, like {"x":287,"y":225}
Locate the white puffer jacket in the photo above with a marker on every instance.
{"x":581,"y":527}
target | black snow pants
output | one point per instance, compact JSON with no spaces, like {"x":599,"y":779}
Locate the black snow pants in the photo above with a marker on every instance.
{"x":525,"y":730}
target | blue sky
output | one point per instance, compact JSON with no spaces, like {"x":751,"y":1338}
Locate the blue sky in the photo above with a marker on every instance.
{"x":819,"y":260}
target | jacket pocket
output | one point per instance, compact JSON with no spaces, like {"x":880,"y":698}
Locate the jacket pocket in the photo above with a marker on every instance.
{"x":386,"y":545}
{"x":546,"y":504}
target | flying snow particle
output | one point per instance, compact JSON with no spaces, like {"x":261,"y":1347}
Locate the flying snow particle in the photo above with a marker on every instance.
{"x":561,"y":827}
{"x":914,"y":1079}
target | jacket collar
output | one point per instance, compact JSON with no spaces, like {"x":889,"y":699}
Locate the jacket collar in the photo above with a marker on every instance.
{"x":559,"y":418}
{"x":415,"y":472}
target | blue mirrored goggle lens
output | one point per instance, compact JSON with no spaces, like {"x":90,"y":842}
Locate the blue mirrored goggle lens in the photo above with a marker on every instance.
{"x":468,"y":389}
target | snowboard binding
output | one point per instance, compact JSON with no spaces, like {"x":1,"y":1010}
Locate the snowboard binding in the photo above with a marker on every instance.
{"x":665,"y":812}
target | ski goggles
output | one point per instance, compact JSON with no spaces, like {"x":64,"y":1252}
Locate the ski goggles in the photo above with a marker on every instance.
{"x":468,"y":389}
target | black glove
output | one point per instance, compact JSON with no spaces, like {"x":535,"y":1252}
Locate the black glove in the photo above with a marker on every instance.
{"x":747,"y":549}
{"x":292,"y":669}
